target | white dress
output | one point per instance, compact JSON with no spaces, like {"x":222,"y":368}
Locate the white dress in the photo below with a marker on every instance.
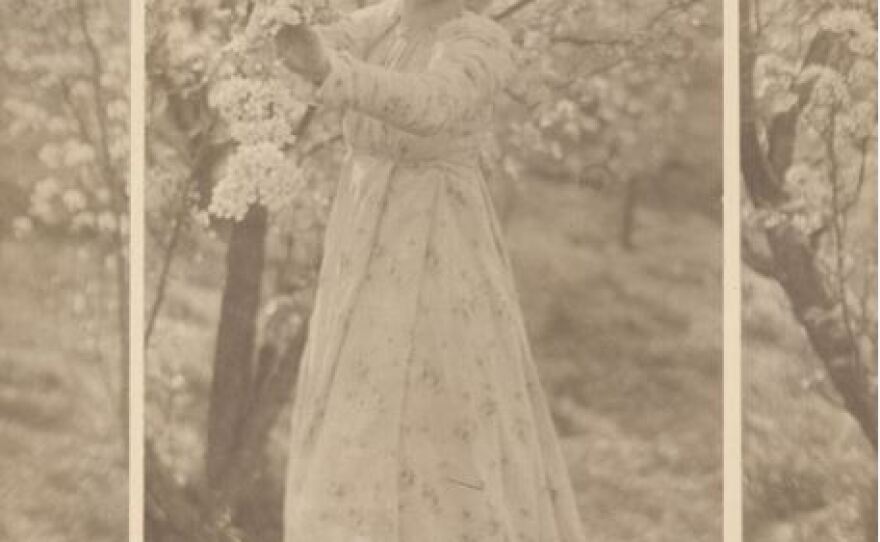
{"x":418,"y":414}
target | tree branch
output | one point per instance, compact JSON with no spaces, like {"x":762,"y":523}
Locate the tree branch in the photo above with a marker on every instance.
{"x":120,"y":209}
{"x":756,"y":252}
{"x":670,"y":9}
{"x":511,"y":10}
{"x":794,"y":258}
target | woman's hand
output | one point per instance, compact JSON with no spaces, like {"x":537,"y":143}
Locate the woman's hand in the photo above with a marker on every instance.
{"x":301,"y":50}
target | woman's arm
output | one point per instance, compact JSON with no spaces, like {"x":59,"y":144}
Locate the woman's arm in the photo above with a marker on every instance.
{"x":472,"y":64}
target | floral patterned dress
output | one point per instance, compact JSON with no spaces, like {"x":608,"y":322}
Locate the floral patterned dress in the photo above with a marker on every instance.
{"x":418,"y":414}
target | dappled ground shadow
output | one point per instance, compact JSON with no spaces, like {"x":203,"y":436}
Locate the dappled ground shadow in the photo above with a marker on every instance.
{"x":628,"y":345}
{"x":62,"y":475}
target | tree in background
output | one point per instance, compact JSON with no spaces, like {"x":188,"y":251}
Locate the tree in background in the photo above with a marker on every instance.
{"x":65,"y":68}
{"x":808,"y":136}
{"x":602,"y":85}
{"x":808,"y":144}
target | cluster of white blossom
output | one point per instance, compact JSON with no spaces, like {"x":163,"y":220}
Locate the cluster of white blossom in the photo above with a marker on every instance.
{"x":261,"y":112}
{"x":258,"y":111}
{"x":256,"y":173}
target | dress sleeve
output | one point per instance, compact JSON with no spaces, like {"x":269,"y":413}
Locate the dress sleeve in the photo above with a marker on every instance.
{"x":472,"y":62}
{"x":357,"y":31}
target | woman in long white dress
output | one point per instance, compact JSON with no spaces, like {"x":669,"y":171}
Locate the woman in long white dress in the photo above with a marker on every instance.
{"x":418,"y":414}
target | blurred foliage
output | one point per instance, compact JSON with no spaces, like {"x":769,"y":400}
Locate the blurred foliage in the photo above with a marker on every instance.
{"x":65,"y":98}
{"x":65,"y":113}
{"x":63,"y":253}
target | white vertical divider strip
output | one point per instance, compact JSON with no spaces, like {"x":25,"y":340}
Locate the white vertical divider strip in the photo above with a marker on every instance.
{"x":137,"y":98}
{"x":733,"y":478}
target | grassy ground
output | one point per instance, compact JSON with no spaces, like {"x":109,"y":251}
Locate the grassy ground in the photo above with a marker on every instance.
{"x":808,"y":470}
{"x":629,"y":346}
{"x":61,"y":473}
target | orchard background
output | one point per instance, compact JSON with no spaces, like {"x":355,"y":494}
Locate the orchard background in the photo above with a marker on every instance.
{"x":64,"y":71}
{"x":605,"y":165}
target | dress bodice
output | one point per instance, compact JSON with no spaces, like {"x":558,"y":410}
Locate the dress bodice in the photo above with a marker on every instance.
{"x":415,"y":94}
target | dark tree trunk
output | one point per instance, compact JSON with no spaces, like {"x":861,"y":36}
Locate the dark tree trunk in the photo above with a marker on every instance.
{"x":236,"y":335}
{"x":242,"y":503}
{"x":794,"y":263}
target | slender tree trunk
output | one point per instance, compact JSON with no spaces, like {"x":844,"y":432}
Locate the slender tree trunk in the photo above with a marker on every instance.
{"x":233,"y":377}
{"x":119,"y":203}
{"x":236,"y":335}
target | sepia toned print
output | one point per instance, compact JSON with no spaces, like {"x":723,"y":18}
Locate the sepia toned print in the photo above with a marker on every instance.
{"x":64,"y":68}
{"x":809,"y":170}
{"x":422,"y":270}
